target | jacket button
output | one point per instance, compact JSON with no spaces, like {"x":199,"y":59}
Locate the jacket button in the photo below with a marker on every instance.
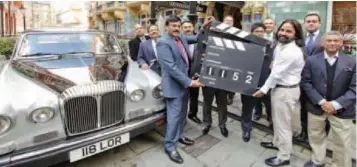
{"x":325,"y":85}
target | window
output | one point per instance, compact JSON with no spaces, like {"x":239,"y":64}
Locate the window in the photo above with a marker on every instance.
{"x":144,"y":20}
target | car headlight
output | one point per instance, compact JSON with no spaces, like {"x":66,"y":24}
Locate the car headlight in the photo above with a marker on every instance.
{"x":42,"y":115}
{"x":157,"y":92}
{"x":137,"y":95}
{"x":5,"y":124}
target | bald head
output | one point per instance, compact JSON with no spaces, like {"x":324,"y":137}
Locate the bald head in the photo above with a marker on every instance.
{"x":139,"y":30}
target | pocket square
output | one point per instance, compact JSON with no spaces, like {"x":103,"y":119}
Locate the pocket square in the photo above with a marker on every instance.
{"x":347,"y":69}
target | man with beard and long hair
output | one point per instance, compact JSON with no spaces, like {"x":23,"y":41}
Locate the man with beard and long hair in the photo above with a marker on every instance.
{"x":284,"y":82}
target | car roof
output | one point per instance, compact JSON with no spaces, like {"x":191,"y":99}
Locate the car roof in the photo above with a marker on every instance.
{"x":61,"y":30}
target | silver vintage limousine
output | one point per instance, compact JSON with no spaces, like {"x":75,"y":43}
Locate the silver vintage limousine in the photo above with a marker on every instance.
{"x":67,"y":95}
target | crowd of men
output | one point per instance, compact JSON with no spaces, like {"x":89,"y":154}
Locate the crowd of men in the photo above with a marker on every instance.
{"x":301,"y":73}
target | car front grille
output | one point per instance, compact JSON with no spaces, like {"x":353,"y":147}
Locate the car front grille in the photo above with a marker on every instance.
{"x":90,"y":110}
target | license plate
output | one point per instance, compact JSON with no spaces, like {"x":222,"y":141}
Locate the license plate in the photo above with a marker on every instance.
{"x":98,"y":147}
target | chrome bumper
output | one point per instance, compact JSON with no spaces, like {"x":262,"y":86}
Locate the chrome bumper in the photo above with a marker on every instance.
{"x":64,"y":147}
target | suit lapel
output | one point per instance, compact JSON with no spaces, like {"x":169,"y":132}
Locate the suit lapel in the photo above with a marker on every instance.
{"x":322,"y":64}
{"x":316,"y":43}
{"x":150,"y":48}
{"x":341,"y":63}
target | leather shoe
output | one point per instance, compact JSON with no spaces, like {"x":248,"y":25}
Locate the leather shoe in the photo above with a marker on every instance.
{"x":194,"y":118}
{"x":174,"y":156}
{"x":224,"y":131}
{"x":256,"y":117}
{"x":312,"y":164}
{"x":275,"y":161}
{"x":206,"y":129}
{"x":186,"y":141}
{"x":301,"y":138}
{"x":246,"y":136}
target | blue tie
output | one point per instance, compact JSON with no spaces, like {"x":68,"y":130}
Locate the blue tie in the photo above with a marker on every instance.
{"x":309,"y":43}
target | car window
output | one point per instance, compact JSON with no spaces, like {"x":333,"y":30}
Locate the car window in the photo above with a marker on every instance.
{"x":69,"y":42}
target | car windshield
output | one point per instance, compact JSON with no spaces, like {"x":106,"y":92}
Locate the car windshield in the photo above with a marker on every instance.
{"x":65,"y":43}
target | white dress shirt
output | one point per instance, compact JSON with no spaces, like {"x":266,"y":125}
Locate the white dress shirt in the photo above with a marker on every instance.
{"x":287,"y":66}
{"x":331,"y":60}
{"x":316,"y":33}
{"x":153,"y":42}
{"x":271,"y":37}
{"x":191,"y":48}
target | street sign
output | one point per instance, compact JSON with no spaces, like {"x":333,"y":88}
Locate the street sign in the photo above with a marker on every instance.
{"x":233,"y":60}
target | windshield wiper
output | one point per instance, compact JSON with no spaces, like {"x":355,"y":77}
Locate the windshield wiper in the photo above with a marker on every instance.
{"x":72,"y":53}
{"x":40,"y":54}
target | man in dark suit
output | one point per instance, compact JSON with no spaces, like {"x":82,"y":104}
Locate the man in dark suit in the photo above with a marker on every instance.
{"x":188,"y":29}
{"x":329,"y":81}
{"x":134,"y":44}
{"x":312,"y":23}
{"x":249,"y":102}
{"x":147,"y":56}
{"x":172,"y":51}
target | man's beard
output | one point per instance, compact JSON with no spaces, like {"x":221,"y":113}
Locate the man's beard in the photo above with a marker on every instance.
{"x":285,"y":39}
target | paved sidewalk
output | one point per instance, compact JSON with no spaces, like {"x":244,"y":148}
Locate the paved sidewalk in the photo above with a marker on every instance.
{"x":210,"y":150}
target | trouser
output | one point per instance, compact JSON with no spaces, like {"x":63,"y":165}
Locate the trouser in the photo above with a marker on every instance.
{"x":303,"y":115}
{"x":221,"y":99}
{"x":176,"y":109}
{"x":248,"y":104}
{"x":342,"y":130}
{"x":194,"y":92}
{"x":267,"y":103}
{"x":285,"y":103}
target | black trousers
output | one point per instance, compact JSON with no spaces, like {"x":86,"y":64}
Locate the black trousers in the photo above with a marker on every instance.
{"x":267,"y":103}
{"x":221,"y":99}
{"x":248,"y":104}
{"x":194,"y":92}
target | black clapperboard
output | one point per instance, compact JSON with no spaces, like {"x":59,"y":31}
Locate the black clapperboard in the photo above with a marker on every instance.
{"x":233,"y":59}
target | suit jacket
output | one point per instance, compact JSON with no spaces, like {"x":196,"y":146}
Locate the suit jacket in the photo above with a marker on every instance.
{"x":175,"y":78}
{"x":134,"y":45}
{"x":316,"y":47}
{"x":314,"y":82}
{"x":265,"y":71}
{"x":147,"y":54}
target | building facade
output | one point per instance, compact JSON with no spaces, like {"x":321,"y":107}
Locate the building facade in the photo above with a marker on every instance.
{"x":121,"y":16}
{"x":9,"y":16}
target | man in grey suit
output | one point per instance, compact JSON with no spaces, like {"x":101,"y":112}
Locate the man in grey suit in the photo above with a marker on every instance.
{"x":172,"y":51}
{"x":329,"y":81}
{"x":312,"y":24}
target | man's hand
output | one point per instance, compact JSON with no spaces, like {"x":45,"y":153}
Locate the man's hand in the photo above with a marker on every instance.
{"x":144,"y":66}
{"x":196,"y":83}
{"x":258,"y":94}
{"x":209,"y":20}
{"x":328,"y":107}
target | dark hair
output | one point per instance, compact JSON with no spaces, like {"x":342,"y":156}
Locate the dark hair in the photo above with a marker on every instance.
{"x":312,"y":14}
{"x":299,"y":36}
{"x":257,"y":25}
{"x":186,"y":22}
{"x":152,"y":25}
{"x":172,"y":19}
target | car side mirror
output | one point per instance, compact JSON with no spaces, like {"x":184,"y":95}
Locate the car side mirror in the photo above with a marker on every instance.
{"x":8,"y":56}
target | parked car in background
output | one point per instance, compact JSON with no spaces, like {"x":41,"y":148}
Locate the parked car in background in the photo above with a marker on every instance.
{"x":67,"y":95}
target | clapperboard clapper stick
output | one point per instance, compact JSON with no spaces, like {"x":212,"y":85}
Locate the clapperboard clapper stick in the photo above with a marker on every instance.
{"x":229,"y":58}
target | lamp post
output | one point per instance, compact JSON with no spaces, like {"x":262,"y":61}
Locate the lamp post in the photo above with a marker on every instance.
{"x":2,"y":18}
{"x":153,"y":13}
{"x":23,"y":10}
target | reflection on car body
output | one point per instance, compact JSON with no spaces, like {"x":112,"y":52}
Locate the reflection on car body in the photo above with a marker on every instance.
{"x":67,"y":91}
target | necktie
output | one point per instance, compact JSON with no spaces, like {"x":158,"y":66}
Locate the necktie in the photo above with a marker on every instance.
{"x":309,"y":43}
{"x":183,"y":51}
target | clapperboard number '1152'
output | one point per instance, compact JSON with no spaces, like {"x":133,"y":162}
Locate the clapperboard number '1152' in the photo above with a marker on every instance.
{"x":223,"y":74}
